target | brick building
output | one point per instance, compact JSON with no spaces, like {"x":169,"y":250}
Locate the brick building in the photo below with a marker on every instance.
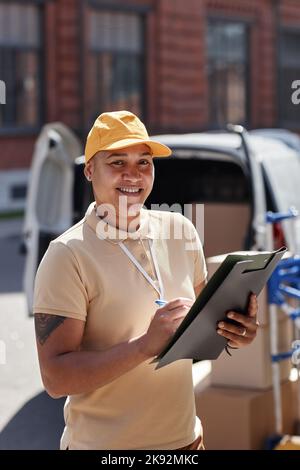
{"x":183,"y":65}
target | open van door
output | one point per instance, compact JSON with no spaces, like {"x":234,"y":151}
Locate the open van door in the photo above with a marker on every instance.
{"x":49,"y":207}
{"x":258,"y":226}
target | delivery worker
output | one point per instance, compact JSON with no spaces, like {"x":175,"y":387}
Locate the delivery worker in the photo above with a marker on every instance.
{"x":98,"y":326}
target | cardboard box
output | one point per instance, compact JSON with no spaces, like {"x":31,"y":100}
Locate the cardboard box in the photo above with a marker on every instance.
{"x":222,"y":233}
{"x":240,"y":419}
{"x":251,"y":367}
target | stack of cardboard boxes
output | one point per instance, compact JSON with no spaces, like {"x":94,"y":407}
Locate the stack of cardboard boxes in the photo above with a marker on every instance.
{"x":237,"y":409}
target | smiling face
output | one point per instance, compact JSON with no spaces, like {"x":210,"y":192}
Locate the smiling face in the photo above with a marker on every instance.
{"x":122,"y":177}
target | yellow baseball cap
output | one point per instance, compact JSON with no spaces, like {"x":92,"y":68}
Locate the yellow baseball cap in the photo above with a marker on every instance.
{"x":120,"y":129}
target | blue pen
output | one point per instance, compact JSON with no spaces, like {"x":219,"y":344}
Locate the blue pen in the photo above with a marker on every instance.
{"x":160,"y":302}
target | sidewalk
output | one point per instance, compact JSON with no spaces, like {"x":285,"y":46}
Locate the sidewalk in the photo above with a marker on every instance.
{"x":29,"y":418}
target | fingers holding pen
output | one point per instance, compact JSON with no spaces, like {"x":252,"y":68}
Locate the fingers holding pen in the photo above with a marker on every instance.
{"x":163,"y":325}
{"x":178,"y":302}
{"x":174,"y":310}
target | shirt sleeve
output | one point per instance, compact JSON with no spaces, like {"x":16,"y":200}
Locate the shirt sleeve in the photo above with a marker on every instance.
{"x":59,"y":288}
{"x":194,"y":246}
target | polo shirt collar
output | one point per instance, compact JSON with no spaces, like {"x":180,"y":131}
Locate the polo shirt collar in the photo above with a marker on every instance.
{"x":104,"y":230}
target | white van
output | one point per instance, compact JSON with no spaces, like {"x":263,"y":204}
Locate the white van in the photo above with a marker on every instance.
{"x":237,"y":176}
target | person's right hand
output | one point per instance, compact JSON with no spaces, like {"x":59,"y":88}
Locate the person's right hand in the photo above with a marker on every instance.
{"x":163,"y":325}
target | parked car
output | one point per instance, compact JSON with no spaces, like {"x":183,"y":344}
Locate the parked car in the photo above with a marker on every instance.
{"x":236,"y":175}
{"x":291,"y":139}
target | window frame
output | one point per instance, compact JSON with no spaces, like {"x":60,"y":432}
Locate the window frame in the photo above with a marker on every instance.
{"x":41,"y":112}
{"x":247,"y":23}
{"x":282,"y":122}
{"x":118,"y":7}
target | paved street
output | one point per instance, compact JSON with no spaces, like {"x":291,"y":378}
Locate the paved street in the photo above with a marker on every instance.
{"x":29,"y":419}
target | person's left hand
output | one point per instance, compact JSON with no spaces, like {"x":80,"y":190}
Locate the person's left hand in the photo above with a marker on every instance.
{"x":244,"y":333}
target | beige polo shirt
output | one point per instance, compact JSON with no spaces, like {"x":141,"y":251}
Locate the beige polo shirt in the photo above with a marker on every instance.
{"x":86,"y":277}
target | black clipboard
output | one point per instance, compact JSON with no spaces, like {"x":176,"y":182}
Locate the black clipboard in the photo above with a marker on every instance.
{"x":228,"y":289}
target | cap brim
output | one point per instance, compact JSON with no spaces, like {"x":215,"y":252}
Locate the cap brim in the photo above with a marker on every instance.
{"x":158,"y":149}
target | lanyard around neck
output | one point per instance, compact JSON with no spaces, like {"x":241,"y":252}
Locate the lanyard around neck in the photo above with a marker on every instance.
{"x":128,"y":253}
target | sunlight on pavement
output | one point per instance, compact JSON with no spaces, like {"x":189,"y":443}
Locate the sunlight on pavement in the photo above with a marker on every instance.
{"x":19,"y":371}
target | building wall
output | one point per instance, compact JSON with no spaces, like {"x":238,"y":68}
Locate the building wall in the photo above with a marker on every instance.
{"x":63,"y":61}
{"x":176,"y":86}
{"x":16,"y":151}
{"x":181,"y":88}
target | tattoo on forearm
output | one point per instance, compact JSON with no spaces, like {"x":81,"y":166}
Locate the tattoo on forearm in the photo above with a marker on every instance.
{"x":45,"y":324}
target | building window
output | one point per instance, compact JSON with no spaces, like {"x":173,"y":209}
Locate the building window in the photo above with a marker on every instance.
{"x":289,"y":72}
{"x":19,"y":64}
{"x":227,"y":72}
{"x":115,"y":63}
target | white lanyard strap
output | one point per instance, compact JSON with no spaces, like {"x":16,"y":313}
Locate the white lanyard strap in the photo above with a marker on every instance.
{"x":157,"y":272}
{"x":128,"y":253}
